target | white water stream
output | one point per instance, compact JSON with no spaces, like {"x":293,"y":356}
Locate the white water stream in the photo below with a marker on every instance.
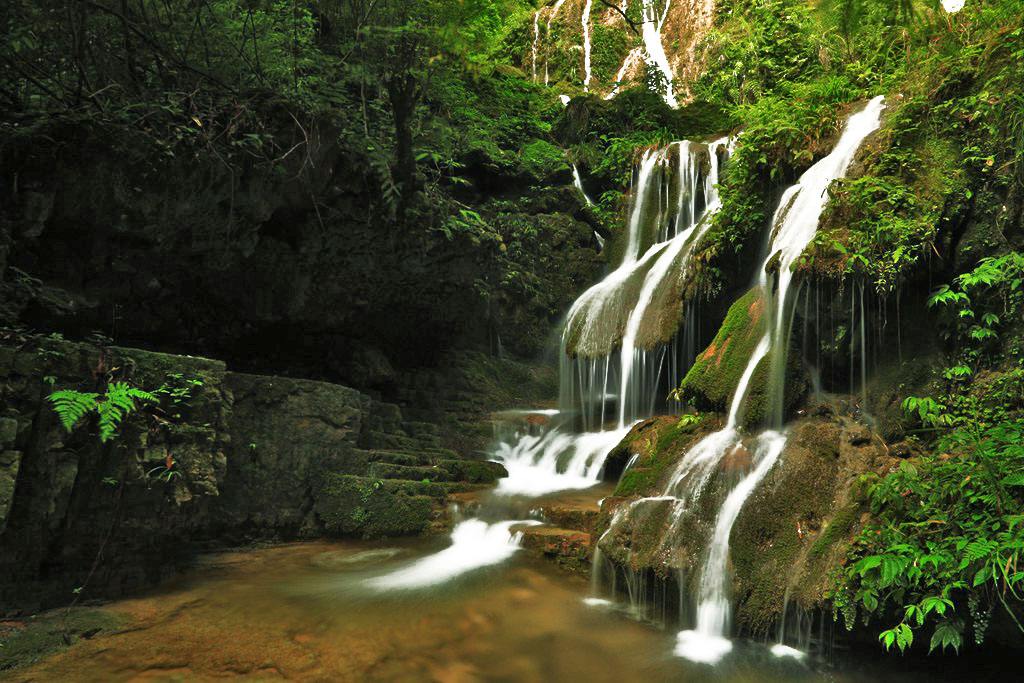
{"x":475,"y":544}
{"x":794,"y":224}
{"x":586,"y":45}
{"x":656,"y":57}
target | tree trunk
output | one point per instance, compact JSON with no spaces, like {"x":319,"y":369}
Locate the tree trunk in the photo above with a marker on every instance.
{"x":403,"y":94}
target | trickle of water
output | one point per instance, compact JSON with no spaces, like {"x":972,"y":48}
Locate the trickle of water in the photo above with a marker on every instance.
{"x":536,"y":40}
{"x":656,"y":56}
{"x":586,"y":45}
{"x":627,"y":64}
{"x":475,"y":544}
{"x":578,"y":182}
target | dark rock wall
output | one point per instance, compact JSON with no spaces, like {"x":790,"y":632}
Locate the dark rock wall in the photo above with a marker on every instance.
{"x":252,"y":457}
{"x":294,"y":267}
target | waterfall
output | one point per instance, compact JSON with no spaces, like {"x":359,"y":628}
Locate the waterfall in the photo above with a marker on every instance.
{"x":586,"y":45}
{"x":794,"y":225}
{"x":673,"y":193}
{"x":656,"y":56}
{"x":536,"y":40}
{"x":686,"y":215}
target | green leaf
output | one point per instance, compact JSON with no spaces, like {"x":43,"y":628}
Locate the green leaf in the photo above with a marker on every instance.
{"x":948,"y":633}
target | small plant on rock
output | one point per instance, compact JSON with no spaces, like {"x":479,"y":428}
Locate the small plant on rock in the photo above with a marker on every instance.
{"x":111,"y":408}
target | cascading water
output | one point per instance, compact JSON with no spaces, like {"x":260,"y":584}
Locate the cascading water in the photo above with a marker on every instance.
{"x":668,"y":205}
{"x":536,"y":41}
{"x":656,"y":56}
{"x":586,"y":45}
{"x":794,"y":225}
{"x":673,"y":193}
{"x":627,"y":64}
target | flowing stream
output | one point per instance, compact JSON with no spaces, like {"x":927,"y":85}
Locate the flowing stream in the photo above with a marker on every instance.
{"x":674,"y":193}
{"x":793,"y":227}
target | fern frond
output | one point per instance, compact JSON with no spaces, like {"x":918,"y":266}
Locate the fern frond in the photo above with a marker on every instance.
{"x":119,"y":402}
{"x":71,"y":406}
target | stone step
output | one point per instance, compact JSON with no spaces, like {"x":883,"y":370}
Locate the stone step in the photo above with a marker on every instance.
{"x":421,"y":429}
{"x":470,"y":471}
{"x":378,"y":440}
{"x":384,"y":470}
{"x":571,"y":516}
{"x":570,"y":548}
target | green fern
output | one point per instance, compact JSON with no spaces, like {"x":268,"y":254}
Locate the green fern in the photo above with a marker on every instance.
{"x":120,"y":401}
{"x":71,"y":406}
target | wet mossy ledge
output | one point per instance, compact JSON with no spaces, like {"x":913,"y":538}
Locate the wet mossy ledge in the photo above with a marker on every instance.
{"x":222,"y":458}
{"x":794,"y":531}
{"x":716,"y":372}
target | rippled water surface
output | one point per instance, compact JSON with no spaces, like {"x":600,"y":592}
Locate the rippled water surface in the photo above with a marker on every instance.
{"x":310,"y":611}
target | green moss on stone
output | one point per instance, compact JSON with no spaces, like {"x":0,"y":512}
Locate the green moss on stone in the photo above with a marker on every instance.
{"x":836,"y":529}
{"x":717,"y":371}
{"x":542,"y":161}
{"x":659,"y":443}
{"x":372,"y":508}
{"x":26,"y":642}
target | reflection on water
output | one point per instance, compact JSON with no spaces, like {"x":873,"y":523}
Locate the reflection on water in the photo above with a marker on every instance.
{"x":304,"y":611}
{"x":475,"y":544}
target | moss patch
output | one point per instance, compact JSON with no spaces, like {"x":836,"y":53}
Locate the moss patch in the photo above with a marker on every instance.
{"x":372,"y":508}
{"x":717,"y":371}
{"x":658,"y":443}
{"x":27,"y":641}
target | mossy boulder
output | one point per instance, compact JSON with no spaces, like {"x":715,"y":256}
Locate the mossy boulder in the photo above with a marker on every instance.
{"x":796,"y":527}
{"x":26,"y":641}
{"x":716,"y":372}
{"x":542,"y":162}
{"x":373,"y":508}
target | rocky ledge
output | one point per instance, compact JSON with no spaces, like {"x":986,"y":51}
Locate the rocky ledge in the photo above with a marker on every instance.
{"x":225,"y":458}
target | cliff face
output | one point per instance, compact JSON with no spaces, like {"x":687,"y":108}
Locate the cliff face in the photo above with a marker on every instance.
{"x":294,"y":266}
{"x":622,"y":41}
{"x":242,"y":457}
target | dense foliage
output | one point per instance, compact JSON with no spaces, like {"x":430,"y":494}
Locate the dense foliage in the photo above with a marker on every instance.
{"x":943,"y":548}
{"x":459,"y":150}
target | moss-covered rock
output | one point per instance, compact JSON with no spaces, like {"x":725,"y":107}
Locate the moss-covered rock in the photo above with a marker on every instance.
{"x":373,"y":508}
{"x":658,"y":443}
{"x":26,"y":641}
{"x":570,"y":548}
{"x":542,"y":162}
{"x":716,"y":372}
{"x":796,"y":527}
{"x":792,"y":532}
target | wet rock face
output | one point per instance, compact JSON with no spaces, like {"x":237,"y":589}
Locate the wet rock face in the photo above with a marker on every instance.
{"x":243,"y":457}
{"x":296,"y":270}
{"x":792,"y":531}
